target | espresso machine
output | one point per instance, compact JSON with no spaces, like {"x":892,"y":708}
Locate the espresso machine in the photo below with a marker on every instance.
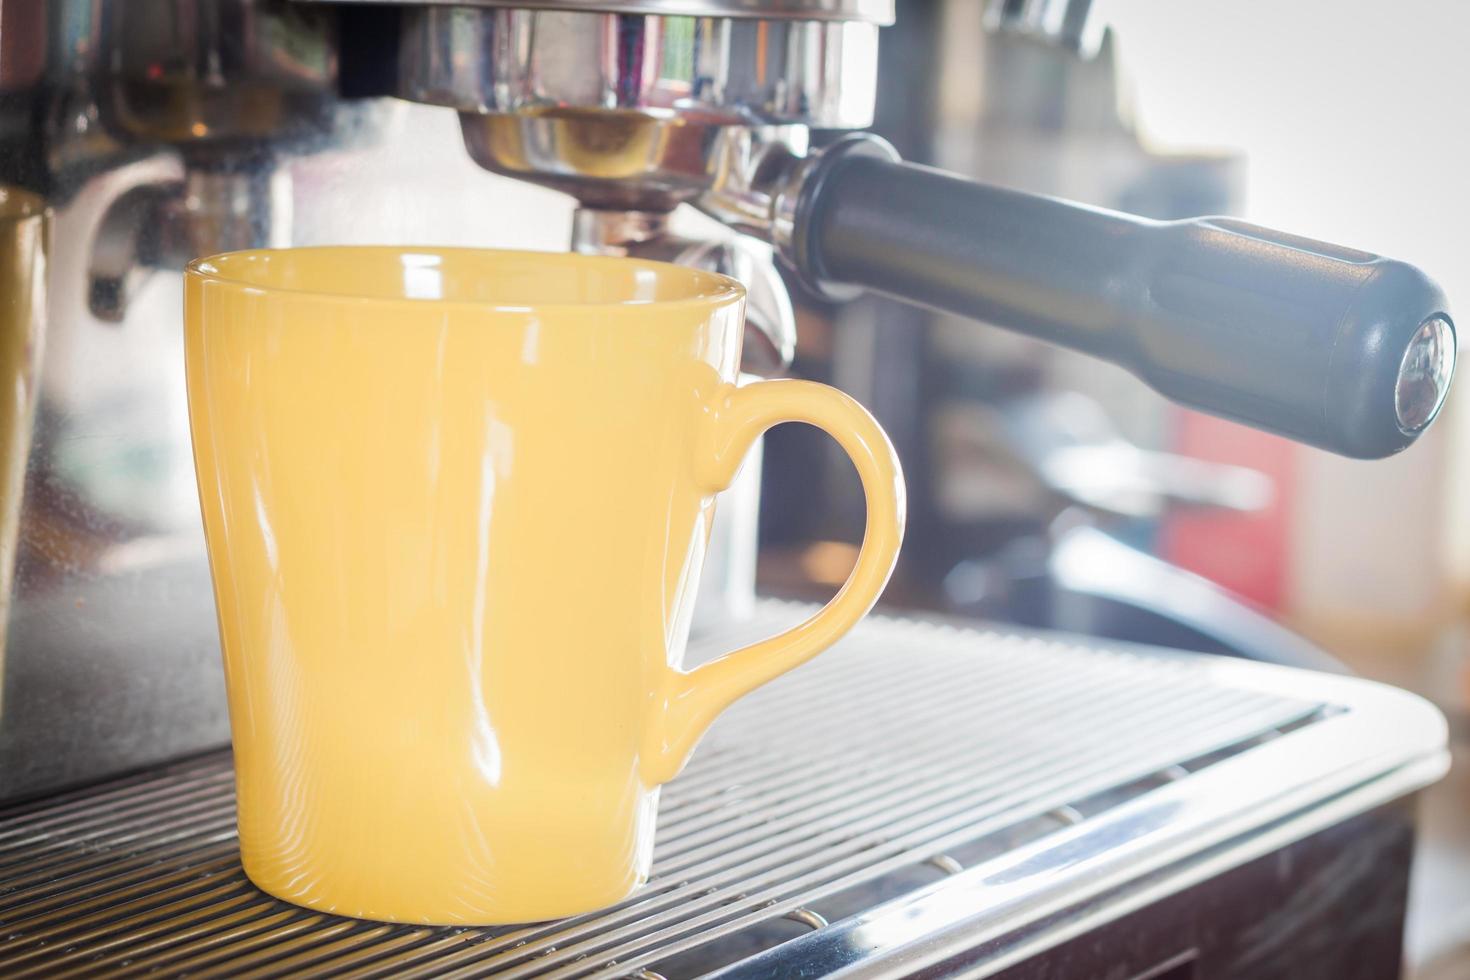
{"x":706,"y":132}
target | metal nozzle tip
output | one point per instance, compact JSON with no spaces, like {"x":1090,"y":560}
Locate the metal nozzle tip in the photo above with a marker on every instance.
{"x":1424,"y":374}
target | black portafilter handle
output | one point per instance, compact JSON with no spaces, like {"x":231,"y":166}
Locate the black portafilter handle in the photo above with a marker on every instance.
{"x":1326,"y":345}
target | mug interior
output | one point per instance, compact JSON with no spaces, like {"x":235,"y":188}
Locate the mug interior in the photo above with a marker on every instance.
{"x":482,"y":277}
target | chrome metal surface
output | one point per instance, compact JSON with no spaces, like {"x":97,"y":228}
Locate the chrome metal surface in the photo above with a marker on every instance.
{"x":783,"y":199}
{"x":704,"y":71}
{"x":631,"y":112}
{"x":1425,"y":374}
{"x":615,"y":159}
{"x":206,"y":71}
{"x":1070,"y":24}
{"x":916,"y":740}
{"x":754,"y":177}
{"x":196,"y":211}
{"x":869,"y":11}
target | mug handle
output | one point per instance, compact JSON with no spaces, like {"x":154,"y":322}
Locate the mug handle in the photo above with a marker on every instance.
{"x":737,"y":417}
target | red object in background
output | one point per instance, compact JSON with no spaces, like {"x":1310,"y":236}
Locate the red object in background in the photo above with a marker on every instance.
{"x":1249,"y":554}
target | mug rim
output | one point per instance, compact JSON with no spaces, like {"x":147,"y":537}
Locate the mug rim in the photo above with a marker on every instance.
{"x":722,"y":290}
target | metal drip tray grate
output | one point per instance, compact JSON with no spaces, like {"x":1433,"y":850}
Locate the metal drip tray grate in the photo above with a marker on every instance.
{"x":913,"y":756}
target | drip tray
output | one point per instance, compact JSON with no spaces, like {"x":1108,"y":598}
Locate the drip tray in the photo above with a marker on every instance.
{"x":920,"y":787}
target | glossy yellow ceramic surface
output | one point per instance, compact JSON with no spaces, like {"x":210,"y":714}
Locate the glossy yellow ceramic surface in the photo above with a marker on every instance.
{"x":456,"y":504}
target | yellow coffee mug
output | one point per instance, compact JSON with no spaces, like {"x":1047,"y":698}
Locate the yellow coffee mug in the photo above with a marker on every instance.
{"x":456,"y":503}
